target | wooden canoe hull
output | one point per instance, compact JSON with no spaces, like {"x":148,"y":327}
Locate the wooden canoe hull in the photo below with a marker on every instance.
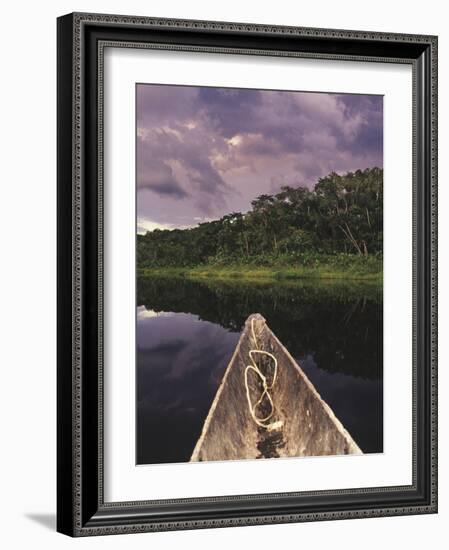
{"x":309,"y":426}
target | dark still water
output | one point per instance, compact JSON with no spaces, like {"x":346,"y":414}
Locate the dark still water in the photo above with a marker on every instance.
{"x":187,"y":331}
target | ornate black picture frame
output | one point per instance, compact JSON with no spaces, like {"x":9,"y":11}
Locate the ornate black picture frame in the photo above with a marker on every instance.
{"x":81,"y":510}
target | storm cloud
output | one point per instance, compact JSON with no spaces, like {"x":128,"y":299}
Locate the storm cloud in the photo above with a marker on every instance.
{"x":203,"y":152}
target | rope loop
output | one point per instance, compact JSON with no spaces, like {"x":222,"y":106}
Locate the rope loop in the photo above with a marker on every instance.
{"x":266,"y":387}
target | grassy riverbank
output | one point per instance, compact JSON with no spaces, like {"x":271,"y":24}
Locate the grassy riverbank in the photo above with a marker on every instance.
{"x":347,"y":267}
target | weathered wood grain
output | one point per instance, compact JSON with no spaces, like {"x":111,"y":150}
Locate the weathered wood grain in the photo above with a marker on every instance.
{"x":308,"y":426}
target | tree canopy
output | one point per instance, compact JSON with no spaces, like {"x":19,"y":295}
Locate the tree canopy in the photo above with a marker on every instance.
{"x":342,"y":213}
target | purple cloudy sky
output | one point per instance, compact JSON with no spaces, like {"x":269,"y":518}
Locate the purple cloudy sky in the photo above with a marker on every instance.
{"x":204,"y":152}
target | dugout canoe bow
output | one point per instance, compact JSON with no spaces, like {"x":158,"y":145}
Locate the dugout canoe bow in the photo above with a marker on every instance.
{"x":266,"y":407}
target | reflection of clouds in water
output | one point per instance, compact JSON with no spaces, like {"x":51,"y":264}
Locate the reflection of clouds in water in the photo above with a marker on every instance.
{"x":183,"y":352}
{"x":144,"y":313}
{"x":180,"y":363}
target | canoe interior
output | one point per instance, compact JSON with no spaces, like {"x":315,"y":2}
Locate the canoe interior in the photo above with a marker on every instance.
{"x":305,"y":424}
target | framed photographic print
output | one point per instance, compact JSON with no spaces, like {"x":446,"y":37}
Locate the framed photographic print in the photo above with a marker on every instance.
{"x":246,"y":274}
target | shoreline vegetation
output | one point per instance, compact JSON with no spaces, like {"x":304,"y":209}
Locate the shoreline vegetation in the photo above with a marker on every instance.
{"x":334,"y":231}
{"x":338,"y":267}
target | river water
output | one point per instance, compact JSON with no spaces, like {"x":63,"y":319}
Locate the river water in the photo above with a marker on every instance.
{"x":187,"y":331}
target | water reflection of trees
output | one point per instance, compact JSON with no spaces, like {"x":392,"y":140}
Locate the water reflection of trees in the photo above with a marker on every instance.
{"x":340,"y":325}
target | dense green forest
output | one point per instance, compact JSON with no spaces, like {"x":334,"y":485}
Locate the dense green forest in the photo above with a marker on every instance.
{"x":341,"y":217}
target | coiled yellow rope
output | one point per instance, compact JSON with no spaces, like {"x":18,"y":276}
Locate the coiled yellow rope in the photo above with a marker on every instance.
{"x":263,"y":422}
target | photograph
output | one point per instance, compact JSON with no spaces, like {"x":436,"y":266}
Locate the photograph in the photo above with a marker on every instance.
{"x":246,"y":272}
{"x":259,"y":273}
